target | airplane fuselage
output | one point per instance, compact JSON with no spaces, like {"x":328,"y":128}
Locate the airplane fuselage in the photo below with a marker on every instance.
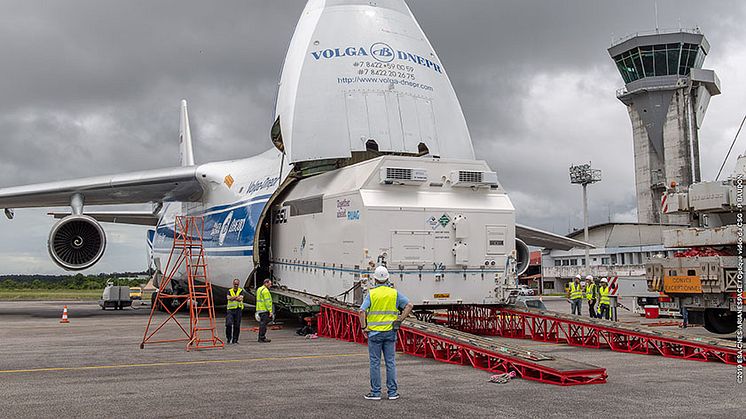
{"x":237,"y":192}
{"x":445,"y":228}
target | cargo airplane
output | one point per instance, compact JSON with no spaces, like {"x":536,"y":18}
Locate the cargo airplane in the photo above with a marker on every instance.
{"x":372,"y":164}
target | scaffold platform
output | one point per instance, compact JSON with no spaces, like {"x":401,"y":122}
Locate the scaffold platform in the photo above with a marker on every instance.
{"x":428,"y":340}
{"x":549,"y":326}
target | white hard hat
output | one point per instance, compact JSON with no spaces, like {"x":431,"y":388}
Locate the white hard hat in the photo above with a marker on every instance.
{"x":381,"y":274}
{"x":578,"y":276}
{"x":604,"y":280}
{"x":589,"y":277}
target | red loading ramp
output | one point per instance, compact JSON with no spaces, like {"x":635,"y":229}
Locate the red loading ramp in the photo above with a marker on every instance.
{"x":427,"y":340}
{"x":547,"y":326}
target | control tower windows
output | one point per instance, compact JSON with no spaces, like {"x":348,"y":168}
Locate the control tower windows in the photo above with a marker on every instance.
{"x":673,"y":55}
{"x":629,"y":65}
{"x":648,"y":62}
{"x":689,"y":58}
{"x":659,"y":60}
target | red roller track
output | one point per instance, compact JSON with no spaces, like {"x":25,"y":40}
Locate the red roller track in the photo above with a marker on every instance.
{"x":554,"y":327}
{"x":427,"y":340}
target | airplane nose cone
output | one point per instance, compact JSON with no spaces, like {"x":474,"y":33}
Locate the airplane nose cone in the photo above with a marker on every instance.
{"x":360,"y":75}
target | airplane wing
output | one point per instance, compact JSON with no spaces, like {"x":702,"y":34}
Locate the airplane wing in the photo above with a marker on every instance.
{"x":535,"y":237}
{"x":143,"y":218}
{"x":161,"y":185}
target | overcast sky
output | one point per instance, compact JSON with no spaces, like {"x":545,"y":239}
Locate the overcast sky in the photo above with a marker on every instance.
{"x":93,"y":87}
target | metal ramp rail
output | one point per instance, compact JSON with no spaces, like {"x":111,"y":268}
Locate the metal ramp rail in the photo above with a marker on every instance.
{"x":546,"y":326}
{"x":427,"y":340}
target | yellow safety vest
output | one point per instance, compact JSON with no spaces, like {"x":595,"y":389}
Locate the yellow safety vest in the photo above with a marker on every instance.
{"x":235,"y":304}
{"x":382,"y":311}
{"x":589,"y":294}
{"x":576,"y":292}
{"x":603,"y":292}
{"x":263,"y":300}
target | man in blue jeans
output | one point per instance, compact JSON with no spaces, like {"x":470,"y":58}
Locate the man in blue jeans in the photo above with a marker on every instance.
{"x":380,"y":320}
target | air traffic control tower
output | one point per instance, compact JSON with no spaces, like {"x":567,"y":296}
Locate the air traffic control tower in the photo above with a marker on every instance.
{"x":666,"y":92}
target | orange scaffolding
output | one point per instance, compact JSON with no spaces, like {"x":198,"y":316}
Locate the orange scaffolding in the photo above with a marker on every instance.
{"x":187,"y":259}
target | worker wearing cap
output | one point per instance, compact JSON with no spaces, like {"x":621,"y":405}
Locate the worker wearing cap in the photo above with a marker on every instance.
{"x":591,"y":294}
{"x":380,"y":320}
{"x":264,"y":309}
{"x":604,"y":304}
{"x":576,"y":295}
{"x":234,"y":312}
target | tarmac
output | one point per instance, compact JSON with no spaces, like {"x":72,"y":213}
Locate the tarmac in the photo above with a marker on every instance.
{"x":94,"y":366}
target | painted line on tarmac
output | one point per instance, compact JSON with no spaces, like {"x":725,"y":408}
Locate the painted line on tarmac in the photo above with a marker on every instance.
{"x":175,"y":363}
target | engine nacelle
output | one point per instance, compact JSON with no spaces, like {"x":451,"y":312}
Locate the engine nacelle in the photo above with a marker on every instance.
{"x":76,"y":242}
{"x":522,"y":256}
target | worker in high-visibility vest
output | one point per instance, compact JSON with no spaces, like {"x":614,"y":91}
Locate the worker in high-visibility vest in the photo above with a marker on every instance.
{"x":264,"y":309}
{"x":576,"y":295}
{"x":380,"y":320}
{"x":591,"y":295}
{"x":234,"y":312}
{"x":604,"y":303}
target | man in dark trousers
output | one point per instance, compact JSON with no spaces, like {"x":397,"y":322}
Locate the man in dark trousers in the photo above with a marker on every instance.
{"x":233,"y":312}
{"x":380,"y":320}
{"x":264,"y":309}
{"x":591,"y":294}
{"x":604,"y":303}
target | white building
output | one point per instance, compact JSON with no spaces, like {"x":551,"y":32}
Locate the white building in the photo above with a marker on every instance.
{"x":621,"y":251}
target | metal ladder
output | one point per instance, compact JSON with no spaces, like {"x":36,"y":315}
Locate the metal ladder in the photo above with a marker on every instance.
{"x":188,"y":257}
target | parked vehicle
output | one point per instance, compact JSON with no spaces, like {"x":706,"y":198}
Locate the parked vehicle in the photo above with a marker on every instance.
{"x":525,"y":290}
{"x":524,"y":301}
{"x":116,"y":297}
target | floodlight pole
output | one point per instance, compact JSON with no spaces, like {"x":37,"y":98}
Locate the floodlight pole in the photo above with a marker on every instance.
{"x":585,"y":228}
{"x":584,"y":175}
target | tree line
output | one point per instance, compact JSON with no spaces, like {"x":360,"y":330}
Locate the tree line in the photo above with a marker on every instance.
{"x":73,"y":282}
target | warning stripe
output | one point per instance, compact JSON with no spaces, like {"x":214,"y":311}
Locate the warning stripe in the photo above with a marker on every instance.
{"x":664,"y":204}
{"x":613,"y":289}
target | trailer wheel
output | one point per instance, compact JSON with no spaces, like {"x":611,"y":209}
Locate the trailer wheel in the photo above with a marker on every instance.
{"x":720,"y":321}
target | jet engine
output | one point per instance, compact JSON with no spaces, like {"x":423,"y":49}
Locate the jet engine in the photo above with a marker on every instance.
{"x":522,"y":256}
{"x":76,"y":242}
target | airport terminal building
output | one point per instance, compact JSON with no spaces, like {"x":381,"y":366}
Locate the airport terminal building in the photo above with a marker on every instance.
{"x":621,"y":251}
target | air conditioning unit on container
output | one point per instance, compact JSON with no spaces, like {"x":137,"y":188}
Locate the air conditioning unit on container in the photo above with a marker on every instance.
{"x":403,"y":176}
{"x":469,"y":178}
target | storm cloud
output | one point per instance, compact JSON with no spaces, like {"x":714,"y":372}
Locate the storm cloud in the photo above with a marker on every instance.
{"x":92,"y":87}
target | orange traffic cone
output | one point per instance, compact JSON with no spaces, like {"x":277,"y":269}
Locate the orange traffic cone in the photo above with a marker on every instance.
{"x":64,"y":316}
